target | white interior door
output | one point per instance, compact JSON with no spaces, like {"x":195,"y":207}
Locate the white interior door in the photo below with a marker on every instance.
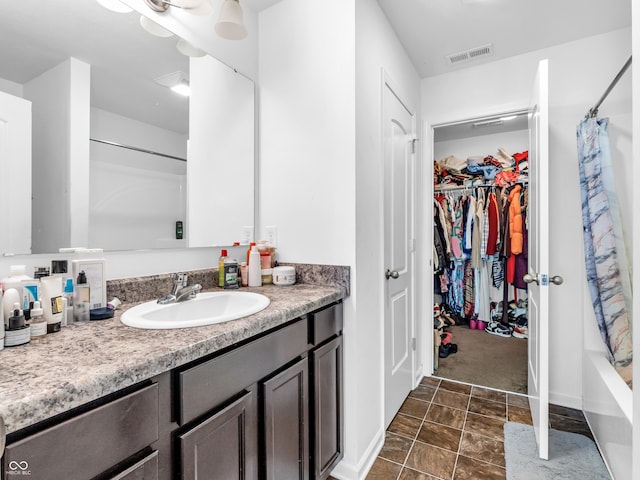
{"x":15,"y":173}
{"x":399,"y":160}
{"x":538,"y":277}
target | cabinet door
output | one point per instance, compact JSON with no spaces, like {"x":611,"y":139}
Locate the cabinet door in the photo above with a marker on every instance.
{"x":286,"y":426}
{"x":224,"y":446}
{"x":327,"y":407}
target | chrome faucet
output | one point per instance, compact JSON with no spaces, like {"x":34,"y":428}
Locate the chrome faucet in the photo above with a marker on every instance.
{"x":188,"y":292}
{"x":181,"y":291}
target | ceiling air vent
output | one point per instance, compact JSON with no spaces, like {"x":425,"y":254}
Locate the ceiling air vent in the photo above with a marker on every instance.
{"x":470,"y":54}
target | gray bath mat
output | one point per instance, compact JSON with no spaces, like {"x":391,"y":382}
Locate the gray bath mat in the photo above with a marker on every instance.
{"x":571,"y":456}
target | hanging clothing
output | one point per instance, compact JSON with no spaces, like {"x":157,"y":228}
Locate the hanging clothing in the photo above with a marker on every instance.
{"x":601,"y":252}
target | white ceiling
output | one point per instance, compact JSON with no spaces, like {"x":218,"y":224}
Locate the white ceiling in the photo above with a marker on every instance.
{"x":432,"y":29}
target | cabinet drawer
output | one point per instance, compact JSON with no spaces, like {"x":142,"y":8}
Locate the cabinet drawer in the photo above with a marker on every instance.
{"x":86,"y":445}
{"x":145,"y":469}
{"x":205,"y":386}
{"x":325,"y":323}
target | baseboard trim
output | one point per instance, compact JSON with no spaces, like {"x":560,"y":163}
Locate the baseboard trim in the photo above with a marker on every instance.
{"x":569,"y":401}
{"x":349,"y":471}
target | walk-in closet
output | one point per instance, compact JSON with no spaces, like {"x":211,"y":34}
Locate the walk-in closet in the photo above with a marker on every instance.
{"x":480,"y":251}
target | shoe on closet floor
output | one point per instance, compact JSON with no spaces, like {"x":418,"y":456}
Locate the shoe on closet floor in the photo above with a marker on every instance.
{"x":521,"y":330}
{"x":445,"y":350}
{"x":496,"y":328}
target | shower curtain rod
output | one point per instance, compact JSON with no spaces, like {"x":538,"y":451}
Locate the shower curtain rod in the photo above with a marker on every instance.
{"x":143,"y":150}
{"x":594,"y":110}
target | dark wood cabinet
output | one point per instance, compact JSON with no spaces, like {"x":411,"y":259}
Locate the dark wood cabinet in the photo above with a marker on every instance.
{"x":224,"y":446}
{"x":267,"y":409}
{"x":89,"y":443}
{"x":145,"y":469}
{"x":285,"y":413}
{"x":327,"y":401}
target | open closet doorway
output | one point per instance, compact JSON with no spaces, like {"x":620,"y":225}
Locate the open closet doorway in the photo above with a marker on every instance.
{"x":480,"y":300}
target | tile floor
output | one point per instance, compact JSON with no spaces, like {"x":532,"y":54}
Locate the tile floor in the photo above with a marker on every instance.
{"x":450,"y":430}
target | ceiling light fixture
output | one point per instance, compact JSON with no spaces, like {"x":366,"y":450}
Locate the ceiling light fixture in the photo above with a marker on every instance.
{"x":488,"y":123}
{"x":196,"y":7}
{"x":230,"y":24}
{"x":177,"y":81}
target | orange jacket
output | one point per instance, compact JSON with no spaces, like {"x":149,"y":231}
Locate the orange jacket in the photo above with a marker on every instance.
{"x":515,"y":221}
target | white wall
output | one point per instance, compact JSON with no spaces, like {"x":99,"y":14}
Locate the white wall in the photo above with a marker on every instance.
{"x":320,"y":173}
{"x":307,"y":129}
{"x":60,"y":99}
{"x":579,"y":72}
{"x":220,"y":191}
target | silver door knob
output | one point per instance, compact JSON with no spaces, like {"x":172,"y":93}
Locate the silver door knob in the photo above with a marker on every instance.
{"x":391,"y":274}
{"x":556,"y":279}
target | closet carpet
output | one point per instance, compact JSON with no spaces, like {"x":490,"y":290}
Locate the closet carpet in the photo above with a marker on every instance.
{"x":486,"y":360}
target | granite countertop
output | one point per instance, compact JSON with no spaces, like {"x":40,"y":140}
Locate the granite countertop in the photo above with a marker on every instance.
{"x":85,"y":362}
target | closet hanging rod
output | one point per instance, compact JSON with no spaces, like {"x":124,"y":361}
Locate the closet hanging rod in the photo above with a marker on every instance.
{"x":594,"y":110}
{"x":439,"y":189}
{"x":137,"y":149}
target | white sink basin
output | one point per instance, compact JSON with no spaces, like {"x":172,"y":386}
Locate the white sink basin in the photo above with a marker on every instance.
{"x":206,"y":309}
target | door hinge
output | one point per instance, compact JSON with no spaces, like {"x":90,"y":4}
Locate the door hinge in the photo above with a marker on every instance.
{"x":414,"y":344}
{"x":413,"y":144}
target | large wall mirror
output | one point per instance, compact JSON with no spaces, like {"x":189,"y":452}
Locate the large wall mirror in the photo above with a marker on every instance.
{"x":118,"y":160}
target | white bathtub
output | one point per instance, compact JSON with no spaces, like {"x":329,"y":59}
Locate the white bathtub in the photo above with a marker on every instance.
{"x":608,"y":406}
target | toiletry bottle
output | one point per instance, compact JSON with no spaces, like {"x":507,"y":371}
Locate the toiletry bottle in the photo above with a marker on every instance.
{"x":51,"y":295}
{"x":15,"y":278}
{"x":223,"y":257}
{"x":91,"y":261}
{"x":244,"y":274}
{"x":9,"y":298}
{"x":231,"y":273}
{"x":30,"y":294}
{"x":68,"y":294}
{"x":251,"y":244}
{"x":18,"y":332}
{"x":255,"y":272}
{"x":81,"y":299}
{"x":37,"y":322}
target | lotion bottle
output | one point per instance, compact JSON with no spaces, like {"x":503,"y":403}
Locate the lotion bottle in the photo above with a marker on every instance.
{"x":255,"y":270}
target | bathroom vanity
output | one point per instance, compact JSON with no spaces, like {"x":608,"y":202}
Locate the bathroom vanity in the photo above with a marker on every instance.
{"x":255,"y":398}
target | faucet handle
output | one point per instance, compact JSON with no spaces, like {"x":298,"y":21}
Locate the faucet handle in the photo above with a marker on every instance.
{"x":180,"y":279}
